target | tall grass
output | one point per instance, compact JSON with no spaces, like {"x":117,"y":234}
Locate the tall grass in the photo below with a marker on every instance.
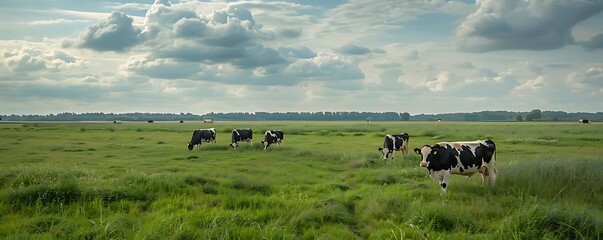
{"x":327,"y":182}
{"x":580,"y":180}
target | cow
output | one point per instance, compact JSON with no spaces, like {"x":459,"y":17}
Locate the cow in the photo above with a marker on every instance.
{"x":273,"y":136}
{"x":395,"y":142}
{"x":202,"y":135}
{"x":241,"y":135}
{"x":150,"y":121}
{"x":462,"y":158}
{"x":583,"y":121}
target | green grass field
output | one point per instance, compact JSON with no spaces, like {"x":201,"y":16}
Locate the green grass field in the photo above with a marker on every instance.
{"x":328,"y":181}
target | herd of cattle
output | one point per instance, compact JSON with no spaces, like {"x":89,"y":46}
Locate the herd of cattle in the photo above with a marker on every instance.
{"x":441,"y":160}
{"x":238,"y":135}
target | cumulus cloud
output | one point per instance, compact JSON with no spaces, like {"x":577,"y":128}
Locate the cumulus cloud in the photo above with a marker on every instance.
{"x":441,"y":81}
{"x":161,"y":68}
{"x":518,"y":24}
{"x":229,"y":35}
{"x":352,"y":49}
{"x":325,"y":66}
{"x":590,"y":80}
{"x":115,"y":34}
{"x":530,"y":87}
{"x":29,"y":58}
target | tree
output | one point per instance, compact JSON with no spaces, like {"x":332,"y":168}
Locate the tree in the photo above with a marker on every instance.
{"x":519,"y":118}
{"x":405,"y":116}
{"x":536,"y":114}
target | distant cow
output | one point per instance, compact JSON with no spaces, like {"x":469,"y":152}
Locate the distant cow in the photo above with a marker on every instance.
{"x":202,"y":135}
{"x":150,"y":121}
{"x":584,"y":121}
{"x":239,"y":135}
{"x":463,"y":158}
{"x":395,"y":142}
{"x":273,"y":136}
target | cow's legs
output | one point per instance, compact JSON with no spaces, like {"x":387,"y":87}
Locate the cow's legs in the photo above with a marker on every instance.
{"x":484,"y":171}
{"x":492,"y":173}
{"x":444,"y":181}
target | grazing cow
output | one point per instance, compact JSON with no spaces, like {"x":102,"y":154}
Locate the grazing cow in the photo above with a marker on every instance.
{"x":463,"y":158}
{"x":273,"y":136}
{"x":584,"y":121}
{"x":202,"y":135}
{"x":150,"y":121}
{"x":396,"y":142}
{"x":241,"y":135}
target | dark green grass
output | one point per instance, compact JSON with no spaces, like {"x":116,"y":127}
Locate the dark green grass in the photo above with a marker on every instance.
{"x":138,"y":181}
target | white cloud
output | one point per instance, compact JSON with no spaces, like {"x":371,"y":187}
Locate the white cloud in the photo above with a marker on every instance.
{"x":30,"y":58}
{"x":530,"y":87}
{"x":589,"y":81}
{"x":115,"y":34}
{"x":318,"y":57}
{"x":440,"y":83}
{"x":324,"y":66}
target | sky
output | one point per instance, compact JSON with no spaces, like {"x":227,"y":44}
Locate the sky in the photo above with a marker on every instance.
{"x":185,"y":56}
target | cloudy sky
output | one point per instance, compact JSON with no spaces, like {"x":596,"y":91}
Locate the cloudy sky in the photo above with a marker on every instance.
{"x":416,"y":56}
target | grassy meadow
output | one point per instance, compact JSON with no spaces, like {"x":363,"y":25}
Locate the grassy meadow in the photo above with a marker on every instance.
{"x":328,"y":181}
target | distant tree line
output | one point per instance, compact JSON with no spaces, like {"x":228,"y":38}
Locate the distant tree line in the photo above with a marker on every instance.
{"x":310,"y":116}
{"x":99,"y":116}
{"x":534,"y":115}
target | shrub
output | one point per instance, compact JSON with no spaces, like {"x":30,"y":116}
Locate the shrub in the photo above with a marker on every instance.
{"x":252,"y":186}
{"x":210,"y":188}
{"x":62,"y":192}
{"x":386,"y":179}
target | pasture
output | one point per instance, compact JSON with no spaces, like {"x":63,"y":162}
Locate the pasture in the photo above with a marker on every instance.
{"x":328,"y":181}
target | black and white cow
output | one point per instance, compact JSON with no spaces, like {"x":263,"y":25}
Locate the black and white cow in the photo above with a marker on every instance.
{"x":273,"y":136}
{"x":394,"y":142}
{"x":239,"y":135}
{"x":463,"y":158}
{"x":202,"y":135}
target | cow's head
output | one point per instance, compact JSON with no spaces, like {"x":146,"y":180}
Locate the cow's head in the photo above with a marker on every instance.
{"x":234,"y":145}
{"x":189,"y":146}
{"x":386,"y":152}
{"x":428,"y":154}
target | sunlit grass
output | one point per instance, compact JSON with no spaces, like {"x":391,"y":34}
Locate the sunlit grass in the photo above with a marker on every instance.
{"x":138,"y":181}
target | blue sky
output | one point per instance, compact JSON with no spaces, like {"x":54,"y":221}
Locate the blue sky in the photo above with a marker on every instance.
{"x":416,"y":56}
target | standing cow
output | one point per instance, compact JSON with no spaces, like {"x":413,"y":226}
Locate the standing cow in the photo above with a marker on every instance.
{"x":202,"y":135}
{"x":463,"y":158}
{"x":395,"y":142}
{"x":239,"y":135}
{"x":273,"y":136}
